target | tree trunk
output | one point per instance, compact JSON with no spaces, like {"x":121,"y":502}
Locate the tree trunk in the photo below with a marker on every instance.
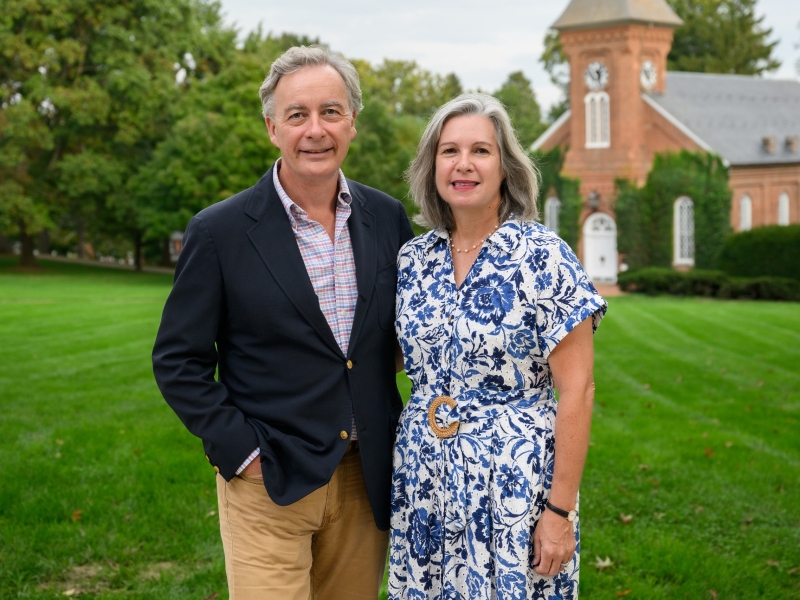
{"x":26,"y":257}
{"x":137,"y":250}
{"x":81,"y":240}
{"x":5,"y":245}
{"x":44,"y":242}
{"x":165,"y":258}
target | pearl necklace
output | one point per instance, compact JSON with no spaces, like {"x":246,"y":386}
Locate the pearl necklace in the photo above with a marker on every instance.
{"x":480,"y":243}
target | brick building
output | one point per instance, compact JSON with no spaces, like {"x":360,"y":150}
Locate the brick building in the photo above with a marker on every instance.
{"x":626,"y":107}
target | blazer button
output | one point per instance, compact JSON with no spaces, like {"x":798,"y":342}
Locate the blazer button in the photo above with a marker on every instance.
{"x":208,"y":459}
{"x":349,"y":364}
{"x":216,"y":469}
{"x":344,"y":435}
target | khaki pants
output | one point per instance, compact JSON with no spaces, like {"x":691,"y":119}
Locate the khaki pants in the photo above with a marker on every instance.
{"x":323,"y":547}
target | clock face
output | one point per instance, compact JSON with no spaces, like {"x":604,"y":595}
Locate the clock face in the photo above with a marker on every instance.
{"x":596,"y":76}
{"x":648,"y":75}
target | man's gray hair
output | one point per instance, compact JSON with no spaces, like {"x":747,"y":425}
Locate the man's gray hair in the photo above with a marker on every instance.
{"x":519,"y":188}
{"x":296,"y":58}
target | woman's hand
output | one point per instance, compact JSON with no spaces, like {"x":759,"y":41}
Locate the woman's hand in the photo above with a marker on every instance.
{"x":553,"y":543}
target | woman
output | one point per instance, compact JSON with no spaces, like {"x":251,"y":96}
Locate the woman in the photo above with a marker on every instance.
{"x":493,"y":312}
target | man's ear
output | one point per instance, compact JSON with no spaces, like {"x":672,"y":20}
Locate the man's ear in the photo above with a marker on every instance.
{"x":353,"y":131}
{"x":271,"y":130}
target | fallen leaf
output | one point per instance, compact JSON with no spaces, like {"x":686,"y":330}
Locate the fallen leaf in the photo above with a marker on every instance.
{"x":624,"y":593}
{"x":60,"y":442}
{"x":127,"y":517}
{"x":793,"y":570}
{"x":625,"y":518}
{"x":713,"y":594}
{"x":774,"y":563}
{"x":211,"y":513}
{"x":746,"y":409}
{"x":728,"y":444}
{"x":679,"y":379}
{"x":748,"y":520}
{"x":644,"y":468}
{"x":653,"y":481}
{"x":70,"y":592}
{"x":699,"y":509}
{"x":77,"y":515}
{"x":648,"y":405}
{"x":213,"y":596}
{"x":759,"y":383}
{"x":603,"y":564}
{"x":646,"y":386}
{"x":57,"y":454}
{"x":137,"y":451}
{"x":659,"y":515}
{"x":705,"y":434}
{"x":708,"y":451}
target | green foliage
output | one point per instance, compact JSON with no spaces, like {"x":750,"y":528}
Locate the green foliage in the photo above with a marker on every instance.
{"x":98,"y":79}
{"x":772,"y":250}
{"x":721,"y":36}
{"x":554,"y":183}
{"x":644,"y":216}
{"x":554,"y":62}
{"x":518,"y":97}
{"x":661,"y":280}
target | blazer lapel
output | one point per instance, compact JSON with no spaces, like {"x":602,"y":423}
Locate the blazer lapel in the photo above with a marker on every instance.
{"x":275,"y":243}
{"x":363,"y":239}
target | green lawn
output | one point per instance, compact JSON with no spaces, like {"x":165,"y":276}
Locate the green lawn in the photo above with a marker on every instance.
{"x":102,"y":491}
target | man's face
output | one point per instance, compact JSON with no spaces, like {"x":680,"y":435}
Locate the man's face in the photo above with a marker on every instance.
{"x":312,"y":124}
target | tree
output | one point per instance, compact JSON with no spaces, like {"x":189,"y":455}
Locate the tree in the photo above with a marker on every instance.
{"x":518,"y":97}
{"x":556,"y":64}
{"x":721,"y":36}
{"x":87,"y":91}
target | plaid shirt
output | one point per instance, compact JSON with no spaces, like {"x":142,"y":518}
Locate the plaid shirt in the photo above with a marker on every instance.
{"x":330,"y":266}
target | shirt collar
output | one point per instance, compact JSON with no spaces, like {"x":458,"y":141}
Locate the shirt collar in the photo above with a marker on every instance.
{"x":293,"y":210}
{"x":506,"y":238}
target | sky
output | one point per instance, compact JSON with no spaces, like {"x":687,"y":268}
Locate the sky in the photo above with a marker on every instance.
{"x":482,"y":42}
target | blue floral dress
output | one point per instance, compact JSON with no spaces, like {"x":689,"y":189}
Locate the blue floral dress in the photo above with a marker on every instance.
{"x":464,"y":507}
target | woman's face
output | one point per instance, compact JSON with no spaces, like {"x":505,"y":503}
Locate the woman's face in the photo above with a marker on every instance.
{"x":468,"y":173}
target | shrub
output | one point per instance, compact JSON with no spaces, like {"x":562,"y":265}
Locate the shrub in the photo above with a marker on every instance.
{"x":658,"y":280}
{"x":772,"y":250}
{"x":550,"y":165}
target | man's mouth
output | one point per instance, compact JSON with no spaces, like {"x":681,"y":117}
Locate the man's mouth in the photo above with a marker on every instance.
{"x":321,"y":151}
{"x":464,"y":185}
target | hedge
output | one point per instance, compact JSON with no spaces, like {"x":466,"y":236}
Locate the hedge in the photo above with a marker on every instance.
{"x":658,"y":280}
{"x":772,"y":250}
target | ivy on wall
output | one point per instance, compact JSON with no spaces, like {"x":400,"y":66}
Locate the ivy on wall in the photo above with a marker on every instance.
{"x":553,"y":183}
{"x":644,"y":215}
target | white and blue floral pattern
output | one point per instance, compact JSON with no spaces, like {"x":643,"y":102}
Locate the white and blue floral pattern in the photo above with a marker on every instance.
{"x":464,"y":507}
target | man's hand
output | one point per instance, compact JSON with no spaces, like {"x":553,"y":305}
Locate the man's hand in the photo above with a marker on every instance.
{"x":253,"y":470}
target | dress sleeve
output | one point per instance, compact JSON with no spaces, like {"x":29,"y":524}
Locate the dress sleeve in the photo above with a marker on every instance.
{"x":565,"y":295}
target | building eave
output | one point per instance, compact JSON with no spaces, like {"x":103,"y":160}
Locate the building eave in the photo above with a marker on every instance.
{"x":550,"y":130}
{"x":680,"y":126}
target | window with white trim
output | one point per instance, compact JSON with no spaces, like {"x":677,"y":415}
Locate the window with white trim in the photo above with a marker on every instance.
{"x":552,"y":206}
{"x":683,"y":232}
{"x":745,"y":213}
{"x":783,"y":209}
{"x":598,"y":120}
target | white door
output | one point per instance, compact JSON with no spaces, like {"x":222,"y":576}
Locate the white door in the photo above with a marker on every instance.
{"x":600,"y":248}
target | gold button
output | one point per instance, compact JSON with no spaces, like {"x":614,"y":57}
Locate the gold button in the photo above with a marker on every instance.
{"x":208,"y":459}
{"x":344,"y":435}
{"x":349,"y":364}
{"x":216,"y":469}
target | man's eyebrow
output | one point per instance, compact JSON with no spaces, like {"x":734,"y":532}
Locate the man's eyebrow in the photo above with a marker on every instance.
{"x":332,"y":103}
{"x":294,"y":107}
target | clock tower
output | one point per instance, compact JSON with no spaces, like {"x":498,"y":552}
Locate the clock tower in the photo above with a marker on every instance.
{"x":617,"y":49}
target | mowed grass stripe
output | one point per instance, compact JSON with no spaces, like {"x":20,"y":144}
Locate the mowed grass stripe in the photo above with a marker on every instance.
{"x":76,"y":343}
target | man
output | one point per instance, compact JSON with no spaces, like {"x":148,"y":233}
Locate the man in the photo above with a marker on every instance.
{"x":288,"y":289}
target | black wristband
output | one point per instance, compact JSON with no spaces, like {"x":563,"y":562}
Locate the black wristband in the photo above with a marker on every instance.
{"x":559,"y":511}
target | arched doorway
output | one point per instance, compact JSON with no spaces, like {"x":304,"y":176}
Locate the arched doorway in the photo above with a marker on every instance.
{"x":600,"y":248}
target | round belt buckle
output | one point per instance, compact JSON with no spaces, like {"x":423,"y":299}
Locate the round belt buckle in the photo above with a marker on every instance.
{"x":441,"y":433}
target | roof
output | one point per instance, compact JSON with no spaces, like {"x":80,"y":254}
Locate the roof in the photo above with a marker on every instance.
{"x":584,"y":14}
{"x":732,"y":114}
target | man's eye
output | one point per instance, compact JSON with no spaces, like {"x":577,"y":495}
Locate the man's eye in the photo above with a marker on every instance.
{"x":295,"y":115}
{"x":331,"y":111}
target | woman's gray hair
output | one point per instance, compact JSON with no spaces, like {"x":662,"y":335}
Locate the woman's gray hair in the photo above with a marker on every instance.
{"x":296,"y":58}
{"x":520,"y":186}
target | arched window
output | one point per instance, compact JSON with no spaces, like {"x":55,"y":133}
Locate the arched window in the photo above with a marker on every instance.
{"x":745,"y":213}
{"x":683,"y":231}
{"x":783,"y":209}
{"x":598,"y":121}
{"x":552,"y":206}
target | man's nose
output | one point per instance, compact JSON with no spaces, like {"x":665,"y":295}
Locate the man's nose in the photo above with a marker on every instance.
{"x":315,"y":128}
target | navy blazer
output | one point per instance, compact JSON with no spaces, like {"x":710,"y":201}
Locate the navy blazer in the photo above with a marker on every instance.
{"x":243,"y":304}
